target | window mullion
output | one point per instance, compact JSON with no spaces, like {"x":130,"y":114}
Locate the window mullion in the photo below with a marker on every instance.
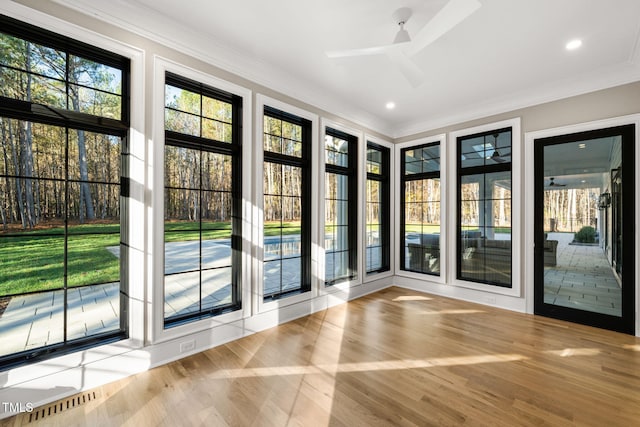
{"x":65,"y":281}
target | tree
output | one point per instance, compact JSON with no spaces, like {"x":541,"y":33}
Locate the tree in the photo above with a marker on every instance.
{"x":34,"y":156}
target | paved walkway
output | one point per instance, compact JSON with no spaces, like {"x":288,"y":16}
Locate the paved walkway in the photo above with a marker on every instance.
{"x":36,"y":320}
{"x":582,"y":279}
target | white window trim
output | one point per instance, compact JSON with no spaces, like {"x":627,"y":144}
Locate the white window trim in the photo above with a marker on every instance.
{"x":360,"y":153}
{"x":259,"y":305}
{"x":516,"y":210}
{"x":442,"y":140}
{"x":366,"y":278}
{"x":157,"y":332}
{"x":529,"y":141}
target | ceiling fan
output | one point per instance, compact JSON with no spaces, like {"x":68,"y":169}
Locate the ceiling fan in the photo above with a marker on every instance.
{"x":404,"y":47}
{"x":497,"y":156}
{"x":552,"y":183}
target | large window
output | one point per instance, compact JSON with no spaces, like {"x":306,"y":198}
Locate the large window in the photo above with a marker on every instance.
{"x":340,"y":216}
{"x":377,"y":209}
{"x":64,"y":121}
{"x":286,"y":204}
{"x":420,"y":198}
{"x":202,"y":201}
{"x":484,"y":207}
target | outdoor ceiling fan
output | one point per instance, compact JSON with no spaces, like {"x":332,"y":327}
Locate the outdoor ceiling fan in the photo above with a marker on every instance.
{"x":496,"y":156}
{"x":552,"y":183}
{"x":403,"y":47}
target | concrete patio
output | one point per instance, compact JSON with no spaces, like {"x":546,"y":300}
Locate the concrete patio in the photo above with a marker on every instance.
{"x":36,"y":320}
{"x":582,"y":279}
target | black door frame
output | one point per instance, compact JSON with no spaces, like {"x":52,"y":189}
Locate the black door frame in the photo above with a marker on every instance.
{"x":626,"y":323}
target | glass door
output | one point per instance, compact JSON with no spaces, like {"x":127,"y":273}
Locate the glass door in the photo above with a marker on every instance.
{"x":584,"y":227}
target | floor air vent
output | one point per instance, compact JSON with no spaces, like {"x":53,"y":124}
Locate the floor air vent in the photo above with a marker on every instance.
{"x":60,"y":406}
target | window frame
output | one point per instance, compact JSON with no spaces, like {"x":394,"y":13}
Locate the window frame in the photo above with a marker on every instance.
{"x":355,"y":235}
{"x":445,"y":256}
{"x":384,"y":179}
{"x":70,"y":120}
{"x":516,"y":210}
{"x":156,"y":331}
{"x":481,"y":170}
{"x":417,"y":177}
{"x":259,"y":303}
{"x":304,"y":163}
{"x":234,"y":150}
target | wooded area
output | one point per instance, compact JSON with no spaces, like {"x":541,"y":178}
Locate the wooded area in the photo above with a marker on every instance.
{"x":198,"y":185}
{"x":422,"y":201}
{"x":49,"y":172}
{"x":484,"y":192}
{"x":568,"y":210}
{"x":198,"y":182}
{"x":282,"y":184}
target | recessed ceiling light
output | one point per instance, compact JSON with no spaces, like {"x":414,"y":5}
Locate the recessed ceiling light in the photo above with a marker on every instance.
{"x":583,"y":181}
{"x":390,"y":105}
{"x":574,"y":44}
{"x":582,"y":145}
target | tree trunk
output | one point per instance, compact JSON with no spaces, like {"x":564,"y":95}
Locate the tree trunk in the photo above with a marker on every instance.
{"x":26,"y":158}
{"x":7,"y":196}
{"x":86,"y":204}
{"x":16,"y":165}
{"x":25,"y":137}
{"x":104,"y":192}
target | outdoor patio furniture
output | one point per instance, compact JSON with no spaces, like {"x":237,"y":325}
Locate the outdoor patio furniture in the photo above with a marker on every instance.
{"x":425,"y":256}
{"x":550,"y":249}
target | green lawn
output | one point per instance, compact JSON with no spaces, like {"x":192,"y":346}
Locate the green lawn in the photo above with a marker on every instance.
{"x":424,"y":228}
{"x":34,"y":260}
{"x":273,"y":228}
{"x":177,"y":231}
{"x":183,"y":231}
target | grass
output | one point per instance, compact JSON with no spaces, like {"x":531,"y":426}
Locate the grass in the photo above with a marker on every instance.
{"x":178,"y":231}
{"x":33,"y":260}
{"x":184,"y":232}
{"x":422,"y":228}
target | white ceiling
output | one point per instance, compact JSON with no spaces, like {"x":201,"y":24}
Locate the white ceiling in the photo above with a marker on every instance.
{"x":590,"y":165}
{"x":508,"y":54}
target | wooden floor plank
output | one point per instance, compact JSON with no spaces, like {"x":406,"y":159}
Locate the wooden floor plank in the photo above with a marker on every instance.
{"x":396,"y":357}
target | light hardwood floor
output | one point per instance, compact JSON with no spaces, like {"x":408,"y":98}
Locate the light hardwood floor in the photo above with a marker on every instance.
{"x":396,"y":357}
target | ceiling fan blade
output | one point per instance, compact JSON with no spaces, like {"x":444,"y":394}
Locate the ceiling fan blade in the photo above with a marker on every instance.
{"x":407,"y":67}
{"x":448,"y":17}
{"x":375,"y":50}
